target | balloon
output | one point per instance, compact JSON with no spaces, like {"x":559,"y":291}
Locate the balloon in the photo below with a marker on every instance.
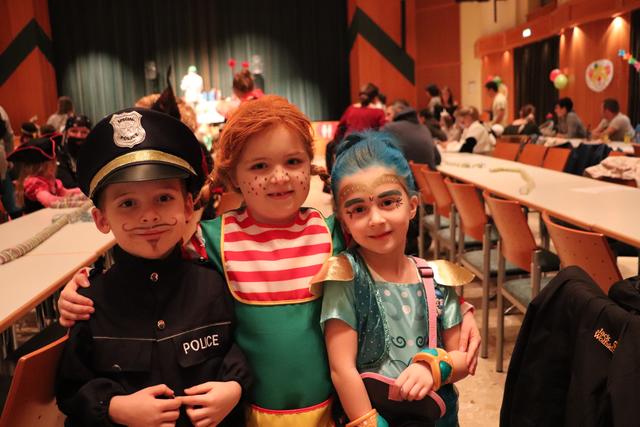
{"x":497,"y":80}
{"x":489,"y":78}
{"x":554,"y":73}
{"x":561,"y":81}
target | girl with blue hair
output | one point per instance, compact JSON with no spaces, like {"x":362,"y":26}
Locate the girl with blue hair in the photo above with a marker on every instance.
{"x":391,"y":322}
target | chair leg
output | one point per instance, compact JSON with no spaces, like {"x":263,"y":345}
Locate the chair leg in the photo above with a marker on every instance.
{"x":40,"y":316}
{"x":544,"y":233}
{"x":486,"y":274}
{"x":536,"y":274}
{"x":500,"y":312}
{"x":453,"y":221}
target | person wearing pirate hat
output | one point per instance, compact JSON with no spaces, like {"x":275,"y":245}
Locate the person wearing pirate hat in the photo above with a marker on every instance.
{"x":37,"y":184}
{"x":75,"y":133}
{"x":159,"y":346}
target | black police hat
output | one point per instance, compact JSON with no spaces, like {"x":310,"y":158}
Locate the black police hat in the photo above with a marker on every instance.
{"x":138,"y":144}
{"x":37,"y":150}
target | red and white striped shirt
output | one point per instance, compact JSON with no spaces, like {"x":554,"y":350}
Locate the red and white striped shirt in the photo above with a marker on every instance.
{"x":268,"y":264}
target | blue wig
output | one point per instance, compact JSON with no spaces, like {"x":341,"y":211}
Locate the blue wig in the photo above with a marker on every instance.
{"x":362,"y":150}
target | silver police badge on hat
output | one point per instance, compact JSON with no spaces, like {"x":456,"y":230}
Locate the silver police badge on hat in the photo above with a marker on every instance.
{"x":127,"y":129}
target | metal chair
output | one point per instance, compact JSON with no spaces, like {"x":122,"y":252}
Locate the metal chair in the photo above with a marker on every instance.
{"x":517,"y":245}
{"x":586,"y":249}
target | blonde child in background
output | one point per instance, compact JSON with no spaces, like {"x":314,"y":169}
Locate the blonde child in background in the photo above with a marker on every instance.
{"x":382,"y":315}
{"x":37,"y":184}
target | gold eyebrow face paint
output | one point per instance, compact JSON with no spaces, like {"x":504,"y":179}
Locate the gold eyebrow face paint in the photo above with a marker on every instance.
{"x":349,"y":189}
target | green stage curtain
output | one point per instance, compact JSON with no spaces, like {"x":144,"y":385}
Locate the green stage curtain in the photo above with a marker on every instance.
{"x":532,"y":64}
{"x":101,"y":47}
{"x":634,"y":79}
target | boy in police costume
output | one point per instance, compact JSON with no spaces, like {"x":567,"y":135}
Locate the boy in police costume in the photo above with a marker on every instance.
{"x":159,"y":348}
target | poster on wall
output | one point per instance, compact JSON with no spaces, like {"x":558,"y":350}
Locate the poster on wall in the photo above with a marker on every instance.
{"x":599,"y":74}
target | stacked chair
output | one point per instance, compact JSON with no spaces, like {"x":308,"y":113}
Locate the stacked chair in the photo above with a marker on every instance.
{"x":483,"y":262}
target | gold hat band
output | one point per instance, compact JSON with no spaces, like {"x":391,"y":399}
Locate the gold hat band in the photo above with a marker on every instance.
{"x":138,"y":157}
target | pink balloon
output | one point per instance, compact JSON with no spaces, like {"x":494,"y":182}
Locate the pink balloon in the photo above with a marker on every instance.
{"x":554,"y":73}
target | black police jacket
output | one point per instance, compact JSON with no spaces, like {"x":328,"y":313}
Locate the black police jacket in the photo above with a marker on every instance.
{"x":577,"y":357}
{"x":163,"y":321}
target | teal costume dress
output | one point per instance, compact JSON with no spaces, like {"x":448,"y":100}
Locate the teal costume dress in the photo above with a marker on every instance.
{"x":402,"y":331}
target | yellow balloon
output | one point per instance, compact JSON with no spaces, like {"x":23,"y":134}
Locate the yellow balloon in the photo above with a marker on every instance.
{"x":561,"y":81}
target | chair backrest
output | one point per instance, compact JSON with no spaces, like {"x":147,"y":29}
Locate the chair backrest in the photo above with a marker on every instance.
{"x":532,"y":154}
{"x":556,"y":158}
{"x":506,"y":150}
{"x":31,"y":400}
{"x":470,"y":208}
{"x":440,"y":192}
{"x":587,"y":250}
{"x":518,"y":243}
{"x":228,"y":201}
{"x":421,"y":182}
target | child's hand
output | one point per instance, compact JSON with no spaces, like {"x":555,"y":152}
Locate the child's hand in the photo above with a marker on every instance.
{"x":208,"y":403}
{"x":143,"y":408}
{"x":71,"y":304}
{"x":415,"y":381}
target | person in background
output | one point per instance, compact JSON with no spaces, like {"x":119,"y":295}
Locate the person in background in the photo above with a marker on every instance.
{"x":65,"y":110}
{"x":448,"y":102}
{"x":380,"y":102}
{"x":7,"y":191}
{"x":413,"y":138}
{"x":435,"y":101}
{"x":357,"y":117}
{"x":498,"y":104}
{"x":244,"y":86}
{"x":6,"y":132}
{"x":525,"y":124}
{"x":28,"y":131}
{"x":475,"y":137}
{"x":428,"y":120}
{"x":191,"y":85}
{"x":614,"y":125}
{"x":363,"y":116}
{"x":450,"y":127}
{"x":569,"y":124}
{"x":37,"y":184}
{"x":47,"y":130}
{"x":74,"y":136}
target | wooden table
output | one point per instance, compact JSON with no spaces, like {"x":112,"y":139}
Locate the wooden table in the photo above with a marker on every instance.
{"x":30,"y":279}
{"x":610,"y":209}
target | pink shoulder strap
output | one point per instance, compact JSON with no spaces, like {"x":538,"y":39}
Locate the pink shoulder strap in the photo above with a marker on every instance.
{"x":430,"y":294}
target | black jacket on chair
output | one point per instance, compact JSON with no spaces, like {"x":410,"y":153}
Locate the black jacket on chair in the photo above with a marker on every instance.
{"x":576,"y":361}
